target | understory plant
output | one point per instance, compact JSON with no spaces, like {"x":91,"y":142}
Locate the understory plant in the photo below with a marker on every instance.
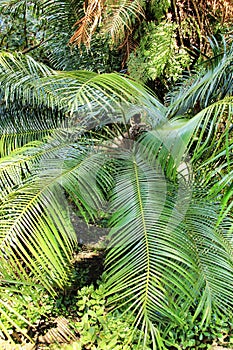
{"x":158,"y":55}
{"x":117,"y":152}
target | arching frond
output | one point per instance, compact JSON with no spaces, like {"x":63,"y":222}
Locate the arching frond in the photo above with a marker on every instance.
{"x":32,"y":82}
{"x":20,"y":124}
{"x":35,"y":227}
{"x":91,"y":90}
{"x":215,"y":121}
{"x":120,"y":18}
{"x":20,"y":75}
{"x":167,"y":145}
{"x":32,"y":218}
{"x":211,"y":152}
{"x":61,"y":13}
{"x":159,"y":260}
{"x":26,"y":113}
{"x":88,"y":23}
{"x":202,"y":89}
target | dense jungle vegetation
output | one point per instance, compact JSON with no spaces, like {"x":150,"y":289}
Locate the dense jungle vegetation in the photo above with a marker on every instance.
{"x":116,"y":174}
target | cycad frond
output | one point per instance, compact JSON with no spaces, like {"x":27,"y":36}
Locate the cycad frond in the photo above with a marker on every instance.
{"x":35,"y":228}
{"x":167,"y":145}
{"x":212,"y":128}
{"x":163,"y":258}
{"x":35,"y":84}
{"x":142,"y":246}
{"x":108,"y":91}
{"x":61,"y":13}
{"x":213,"y":258}
{"x":215,"y":83}
{"x":26,"y":113}
{"x":32,"y":219}
{"x":21,"y":124}
{"x":19,"y":75}
{"x":211,"y":151}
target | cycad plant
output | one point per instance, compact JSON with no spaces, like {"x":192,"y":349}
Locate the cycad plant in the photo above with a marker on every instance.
{"x":116,"y":151}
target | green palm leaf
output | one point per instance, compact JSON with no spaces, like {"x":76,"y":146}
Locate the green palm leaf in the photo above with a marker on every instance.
{"x":159,"y":263}
{"x":35,"y":84}
{"x":202,"y":89}
{"x":120,"y":17}
{"x":26,"y":228}
{"x":108,"y":91}
{"x":20,"y":75}
{"x":142,"y":247}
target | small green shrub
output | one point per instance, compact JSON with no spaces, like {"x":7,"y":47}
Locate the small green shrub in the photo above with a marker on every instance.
{"x":100,"y":329}
{"x":195,"y":335}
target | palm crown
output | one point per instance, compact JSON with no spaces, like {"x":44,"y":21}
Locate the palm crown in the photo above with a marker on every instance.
{"x":170,"y":243}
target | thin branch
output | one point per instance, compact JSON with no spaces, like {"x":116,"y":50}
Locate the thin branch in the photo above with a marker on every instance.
{"x":28,"y":49}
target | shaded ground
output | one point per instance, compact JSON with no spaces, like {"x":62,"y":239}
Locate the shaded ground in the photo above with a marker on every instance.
{"x":91,"y":236}
{"x":92,"y":242}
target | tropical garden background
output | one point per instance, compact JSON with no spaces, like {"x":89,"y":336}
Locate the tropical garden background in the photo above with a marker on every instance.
{"x":116,"y":174}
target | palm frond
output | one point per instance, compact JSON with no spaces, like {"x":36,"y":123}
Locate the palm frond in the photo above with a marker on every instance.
{"x":108,"y":91}
{"x":167,"y":145}
{"x":213,"y":257}
{"x":120,"y":18}
{"x":159,"y":263}
{"x":143,"y":257}
{"x":25,"y":112}
{"x":88,"y":23}
{"x":29,"y":236}
{"x":35,"y":84}
{"x":20,"y":124}
{"x":36,"y":234}
{"x":214,"y":124}
{"x":211,"y":152}
{"x":19,"y":75}
{"x":202,"y":89}
{"x":61,"y":13}
{"x":23,"y":162}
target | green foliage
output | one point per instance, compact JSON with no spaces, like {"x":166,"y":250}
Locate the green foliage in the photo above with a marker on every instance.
{"x":158,"y":55}
{"x":101,"y":57}
{"x":159,"y":8}
{"x":43,"y":28}
{"x":168,"y":245}
{"x":100,"y":329}
{"x":196,"y":335}
{"x":22,"y":27}
{"x":208,"y":95}
{"x":210,"y":83}
{"x":22,"y":307}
